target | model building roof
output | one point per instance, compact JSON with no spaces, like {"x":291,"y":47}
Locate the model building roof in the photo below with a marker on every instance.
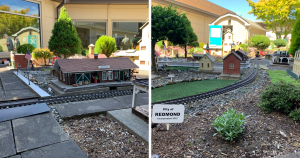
{"x":85,"y":65}
{"x":211,"y":58}
{"x":234,"y":55}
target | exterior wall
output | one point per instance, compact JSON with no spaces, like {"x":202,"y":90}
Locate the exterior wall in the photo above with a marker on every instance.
{"x":232,"y":59}
{"x":238,"y":28}
{"x":205,"y":61}
{"x":199,"y":22}
{"x":21,"y":60}
{"x":61,"y":78}
{"x":254,"y":31}
{"x":296,"y":67}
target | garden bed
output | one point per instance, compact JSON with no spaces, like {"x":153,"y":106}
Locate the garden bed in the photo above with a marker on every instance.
{"x":265,"y":135}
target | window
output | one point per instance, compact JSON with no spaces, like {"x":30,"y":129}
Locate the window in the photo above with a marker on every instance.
{"x":231,"y":66}
{"x":104,"y":77}
{"x":142,"y":62}
{"x":225,"y":51}
{"x":126,"y":28}
{"x":110,"y":75}
{"x":201,"y":64}
{"x":116,"y":74}
{"x":207,"y":64}
{"x":225,"y":44}
{"x":229,"y":37}
{"x":89,"y":32}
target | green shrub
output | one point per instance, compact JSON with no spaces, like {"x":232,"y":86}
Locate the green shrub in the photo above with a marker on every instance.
{"x":280,"y":96}
{"x":191,"y":51}
{"x":272,"y":45}
{"x":201,"y":45}
{"x":280,"y":43}
{"x":105,"y":45}
{"x":230,"y":124}
{"x":244,"y":47}
{"x":84,"y":52}
{"x":1,"y":49}
{"x":261,"y":42}
{"x":198,"y":49}
{"x":295,"y":114}
{"x":23,"y":48}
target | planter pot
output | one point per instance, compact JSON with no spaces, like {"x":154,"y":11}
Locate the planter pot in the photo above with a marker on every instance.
{"x":95,"y":80}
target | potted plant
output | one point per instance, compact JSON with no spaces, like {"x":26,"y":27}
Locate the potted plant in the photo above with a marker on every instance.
{"x":95,"y":79}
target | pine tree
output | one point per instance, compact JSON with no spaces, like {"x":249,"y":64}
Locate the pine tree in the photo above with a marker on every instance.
{"x":295,"y":41}
{"x":64,"y":40}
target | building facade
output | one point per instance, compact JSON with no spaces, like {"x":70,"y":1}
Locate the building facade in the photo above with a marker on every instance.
{"x":296,"y":66}
{"x":92,"y":19}
{"x":232,"y":64}
{"x":206,"y":63}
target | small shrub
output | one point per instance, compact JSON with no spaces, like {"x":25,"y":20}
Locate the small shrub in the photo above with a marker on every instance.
{"x":272,"y":45}
{"x":244,"y":47}
{"x":280,"y":43}
{"x":1,"y":49}
{"x":84,"y":52}
{"x":261,"y":42}
{"x":201,"y":45}
{"x":295,"y":115}
{"x":191,"y":51}
{"x":198,"y":49}
{"x":106,"y":45}
{"x":23,"y":48}
{"x":281,"y":96}
{"x":230,"y":124}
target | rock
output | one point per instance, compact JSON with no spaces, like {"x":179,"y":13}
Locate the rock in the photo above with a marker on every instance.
{"x":282,"y":133}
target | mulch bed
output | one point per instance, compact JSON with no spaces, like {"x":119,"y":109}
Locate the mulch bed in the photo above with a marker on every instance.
{"x":100,"y":136}
{"x":261,"y":138}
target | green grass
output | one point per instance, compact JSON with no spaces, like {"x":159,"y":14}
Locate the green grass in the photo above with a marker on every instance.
{"x":185,"y":89}
{"x":181,"y":68}
{"x":277,"y":75}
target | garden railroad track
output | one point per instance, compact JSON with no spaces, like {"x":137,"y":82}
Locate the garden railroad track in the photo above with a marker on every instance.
{"x":63,"y":99}
{"x":201,"y":96}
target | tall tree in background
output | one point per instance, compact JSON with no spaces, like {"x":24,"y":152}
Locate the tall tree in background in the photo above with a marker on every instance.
{"x":167,"y":23}
{"x":64,"y":40}
{"x":295,"y":42}
{"x":11,"y":24}
{"x":191,"y":38}
{"x":278,"y":15}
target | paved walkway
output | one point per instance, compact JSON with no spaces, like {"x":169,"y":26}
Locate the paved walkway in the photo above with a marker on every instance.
{"x":11,"y":86}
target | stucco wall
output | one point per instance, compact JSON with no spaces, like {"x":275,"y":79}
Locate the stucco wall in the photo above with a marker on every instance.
{"x":205,"y":61}
{"x":231,"y":59}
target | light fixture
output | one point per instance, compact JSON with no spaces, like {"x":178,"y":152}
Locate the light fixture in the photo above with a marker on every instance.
{"x":207,"y":48}
{"x":233,"y":46}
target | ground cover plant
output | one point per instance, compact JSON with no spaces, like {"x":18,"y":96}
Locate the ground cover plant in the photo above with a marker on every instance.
{"x":230,"y":124}
{"x":184,"y":89}
{"x":278,"y":75}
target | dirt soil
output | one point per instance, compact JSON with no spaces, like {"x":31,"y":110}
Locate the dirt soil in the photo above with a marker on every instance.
{"x":100,"y":136}
{"x":265,"y":135}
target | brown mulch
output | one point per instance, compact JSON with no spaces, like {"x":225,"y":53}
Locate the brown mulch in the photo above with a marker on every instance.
{"x":261,"y":138}
{"x":100,"y":136}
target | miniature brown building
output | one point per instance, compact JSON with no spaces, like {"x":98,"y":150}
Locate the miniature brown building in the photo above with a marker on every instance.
{"x":72,"y":71}
{"x":232,"y":64}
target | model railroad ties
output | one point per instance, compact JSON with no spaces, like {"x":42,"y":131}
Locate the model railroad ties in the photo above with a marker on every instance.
{"x":216,"y":92}
{"x":63,"y":99}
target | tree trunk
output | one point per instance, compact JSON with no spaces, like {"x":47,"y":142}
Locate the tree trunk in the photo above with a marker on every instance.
{"x":153,"y":55}
{"x":185,"y":51}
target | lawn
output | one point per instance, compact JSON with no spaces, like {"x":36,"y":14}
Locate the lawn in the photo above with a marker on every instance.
{"x":181,"y":68}
{"x":184,"y":89}
{"x":277,"y":75}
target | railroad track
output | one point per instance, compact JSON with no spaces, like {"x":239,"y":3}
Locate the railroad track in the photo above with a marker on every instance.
{"x":63,"y":99}
{"x":216,"y":92}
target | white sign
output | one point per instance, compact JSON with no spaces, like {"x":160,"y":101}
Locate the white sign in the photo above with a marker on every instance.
{"x":215,"y":32}
{"x":171,"y":75}
{"x":167,"y":113}
{"x":104,"y":67}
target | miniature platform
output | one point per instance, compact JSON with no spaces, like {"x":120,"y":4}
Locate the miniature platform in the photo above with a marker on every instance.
{"x":229,"y":76}
{"x":62,"y":89}
{"x":142,"y":112}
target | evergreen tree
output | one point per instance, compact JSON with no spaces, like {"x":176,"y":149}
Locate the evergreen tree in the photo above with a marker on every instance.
{"x":64,"y":40}
{"x":106,"y":45}
{"x":295,"y":41}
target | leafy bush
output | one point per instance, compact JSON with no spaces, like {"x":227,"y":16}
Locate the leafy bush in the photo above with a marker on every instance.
{"x":198,"y":49}
{"x":84,"y":52}
{"x":261,"y":42}
{"x":295,"y":114}
{"x":281,"y":96}
{"x":272,"y":45}
{"x":191,"y":51}
{"x":43,"y":53}
{"x":201,"y":45}
{"x":23,"y":48}
{"x":244,"y":47}
{"x":160,"y":44}
{"x":280,"y":43}
{"x":230,"y":124}
{"x":1,"y":49}
{"x":106,"y":45}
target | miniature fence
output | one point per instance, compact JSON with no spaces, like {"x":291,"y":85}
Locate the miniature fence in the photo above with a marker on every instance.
{"x":291,"y":73}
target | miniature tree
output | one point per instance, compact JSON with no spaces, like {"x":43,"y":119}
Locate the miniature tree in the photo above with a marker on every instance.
{"x":191,"y":38}
{"x":106,"y":45}
{"x":42,"y":54}
{"x":24,"y":47}
{"x":280,"y":43}
{"x":261,"y":42}
{"x":166,"y":23}
{"x":295,"y":41}
{"x":64,"y":40}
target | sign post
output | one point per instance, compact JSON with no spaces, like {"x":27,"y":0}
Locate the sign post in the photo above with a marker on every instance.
{"x":162,"y":113}
{"x":171,"y":75}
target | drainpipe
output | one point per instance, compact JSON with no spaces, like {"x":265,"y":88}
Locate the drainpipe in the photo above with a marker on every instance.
{"x":59,"y":6}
